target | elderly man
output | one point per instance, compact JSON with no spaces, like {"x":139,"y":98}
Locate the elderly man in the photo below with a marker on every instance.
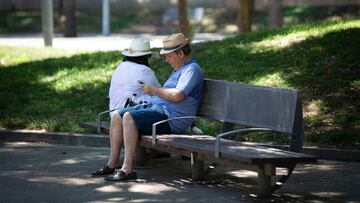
{"x":179,"y":96}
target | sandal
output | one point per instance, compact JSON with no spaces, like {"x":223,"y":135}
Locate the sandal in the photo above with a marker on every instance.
{"x":120,"y":175}
{"x":106,"y":170}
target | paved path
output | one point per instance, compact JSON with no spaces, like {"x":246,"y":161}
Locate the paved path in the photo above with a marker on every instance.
{"x":39,"y":172}
{"x":96,"y":42}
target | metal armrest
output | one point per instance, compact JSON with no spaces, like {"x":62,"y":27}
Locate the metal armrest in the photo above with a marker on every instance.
{"x":171,"y":119}
{"x":218,"y":136}
{"x":99,"y":118}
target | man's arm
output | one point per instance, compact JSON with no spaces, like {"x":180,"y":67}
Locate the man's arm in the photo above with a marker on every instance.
{"x":169,"y":94}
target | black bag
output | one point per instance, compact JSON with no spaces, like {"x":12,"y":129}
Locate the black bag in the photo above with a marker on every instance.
{"x":130,"y":102}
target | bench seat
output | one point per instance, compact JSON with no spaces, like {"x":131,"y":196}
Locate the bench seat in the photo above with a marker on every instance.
{"x":248,"y":153}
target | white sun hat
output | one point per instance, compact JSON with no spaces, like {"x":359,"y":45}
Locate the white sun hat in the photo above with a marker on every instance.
{"x":138,"y":47}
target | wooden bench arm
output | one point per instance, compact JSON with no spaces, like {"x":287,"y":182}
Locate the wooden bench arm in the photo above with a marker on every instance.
{"x":99,"y":118}
{"x":171,"y":119}
{"x":218,"y":136}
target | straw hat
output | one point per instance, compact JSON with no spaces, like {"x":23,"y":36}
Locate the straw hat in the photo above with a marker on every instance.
{"x":138,"y":47}
{"x":173,"y":43}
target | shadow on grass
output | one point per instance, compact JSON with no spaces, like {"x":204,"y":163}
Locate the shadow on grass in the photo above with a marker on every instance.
{"x":55,"y":94}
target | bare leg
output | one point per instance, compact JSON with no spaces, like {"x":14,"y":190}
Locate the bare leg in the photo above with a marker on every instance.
{"x":131,"y":136}
{"x":116,"y":140}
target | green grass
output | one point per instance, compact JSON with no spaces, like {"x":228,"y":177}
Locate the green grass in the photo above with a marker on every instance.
{"x":320,"y":59}
{"x":54,"y":90}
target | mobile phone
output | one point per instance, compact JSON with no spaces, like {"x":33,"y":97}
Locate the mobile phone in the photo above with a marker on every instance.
{"x":141,"y":83}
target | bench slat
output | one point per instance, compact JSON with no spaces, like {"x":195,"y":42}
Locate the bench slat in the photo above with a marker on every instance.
{"x":256,"y":106}
{"x":246,"y":153}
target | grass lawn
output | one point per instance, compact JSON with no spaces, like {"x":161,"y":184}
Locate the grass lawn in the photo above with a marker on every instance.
{"x":55,"y":90}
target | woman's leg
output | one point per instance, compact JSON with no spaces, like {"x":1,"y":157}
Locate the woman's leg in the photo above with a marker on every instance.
{"x":116,"y":140}
{"x":131,"y":136}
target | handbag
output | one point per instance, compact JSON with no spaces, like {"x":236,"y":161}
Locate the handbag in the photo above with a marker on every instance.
{"x":130,"y":101}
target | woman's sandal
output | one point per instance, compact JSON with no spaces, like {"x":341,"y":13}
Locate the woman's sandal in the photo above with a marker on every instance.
{"x":106,"y":170}
{"x":120,"y":175}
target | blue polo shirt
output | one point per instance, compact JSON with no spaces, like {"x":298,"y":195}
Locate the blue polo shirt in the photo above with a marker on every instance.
{"x":189,"y":79}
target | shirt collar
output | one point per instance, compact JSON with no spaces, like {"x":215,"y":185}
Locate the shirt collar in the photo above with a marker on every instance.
{"x":188,"y":62}
{"x":185,"y":64}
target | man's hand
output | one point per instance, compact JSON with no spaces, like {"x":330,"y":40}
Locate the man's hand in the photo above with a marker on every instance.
{"x":169,"y":94}
{"x":148,"y":89}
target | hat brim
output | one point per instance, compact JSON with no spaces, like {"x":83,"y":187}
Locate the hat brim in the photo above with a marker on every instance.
{"x":166,"y":51}
{"x":136,"y":53}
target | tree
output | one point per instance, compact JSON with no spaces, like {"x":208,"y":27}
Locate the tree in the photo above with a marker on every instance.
{"x":183,"y":17}
{"x":69,"y":10}
{"x":275,"y":13}
{"x":244,"y":16}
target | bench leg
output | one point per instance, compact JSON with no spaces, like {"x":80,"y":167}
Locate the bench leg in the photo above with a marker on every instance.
{"x":264,"y":180}
{"x":197,"y":166}
{"x":140,"y":156}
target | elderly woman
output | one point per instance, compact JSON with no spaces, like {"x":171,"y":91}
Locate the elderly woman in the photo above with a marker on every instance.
{"x":125,"y":84}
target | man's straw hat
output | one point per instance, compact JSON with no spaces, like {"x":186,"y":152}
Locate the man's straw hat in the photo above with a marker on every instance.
{"x":173,"y":43}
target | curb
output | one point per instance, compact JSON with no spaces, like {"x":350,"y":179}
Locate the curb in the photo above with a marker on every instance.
{"x":331,"y":153}
{"x":54,"y":138}
{"x":327,"y":153}
{"x":96,"y":140}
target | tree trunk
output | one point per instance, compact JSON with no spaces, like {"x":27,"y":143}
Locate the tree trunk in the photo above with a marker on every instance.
{"x":275,"y":13}
{"x":69,"y":7}
{"x":183,"y":17}
{"x":244,"y":16}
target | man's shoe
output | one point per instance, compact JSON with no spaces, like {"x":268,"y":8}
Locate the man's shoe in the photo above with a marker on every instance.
{"x":106,"y":170}
{"x":121,"y":176}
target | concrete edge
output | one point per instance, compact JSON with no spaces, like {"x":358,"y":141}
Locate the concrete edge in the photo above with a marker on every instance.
{"x":327,"y":153}
{"x":331,"y":153}
{"x":92,"y":140}
{"x":95,"y":140}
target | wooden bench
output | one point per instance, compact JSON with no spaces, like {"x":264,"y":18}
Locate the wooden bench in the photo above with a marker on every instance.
{"x":260,"y":109}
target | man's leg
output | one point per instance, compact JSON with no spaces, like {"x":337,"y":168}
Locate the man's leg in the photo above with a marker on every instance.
{"x":131,"y":136}
{"x":116,"y":140}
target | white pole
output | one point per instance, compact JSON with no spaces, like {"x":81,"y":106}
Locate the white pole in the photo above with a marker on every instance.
{"x":47,"y":21}
{"x":106,"y":18}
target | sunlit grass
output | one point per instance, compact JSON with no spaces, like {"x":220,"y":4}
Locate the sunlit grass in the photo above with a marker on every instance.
{"x":16,"y":55}
{"x":67,"y":79}
{"x":302,"y":33}
{"x":273,"y":80}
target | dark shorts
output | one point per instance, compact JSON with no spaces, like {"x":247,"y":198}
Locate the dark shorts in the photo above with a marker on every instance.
{"x":145,"y":115}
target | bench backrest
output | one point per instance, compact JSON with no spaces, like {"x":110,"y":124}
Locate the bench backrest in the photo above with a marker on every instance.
{"x":277,"y":109}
